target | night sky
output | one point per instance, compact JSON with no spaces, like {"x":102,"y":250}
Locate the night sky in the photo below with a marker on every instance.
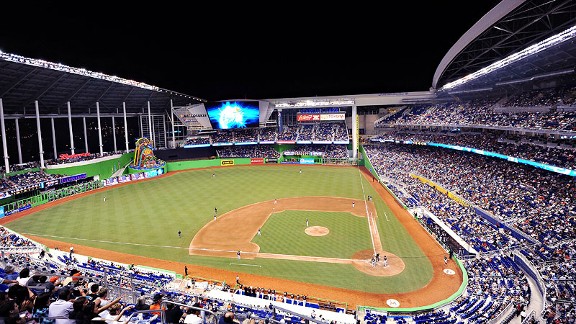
{"x":243,"y":51}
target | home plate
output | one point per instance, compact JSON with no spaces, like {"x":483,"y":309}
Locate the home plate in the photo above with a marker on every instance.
{"x":393,"y":303}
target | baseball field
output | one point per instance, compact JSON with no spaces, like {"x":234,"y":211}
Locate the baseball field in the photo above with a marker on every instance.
{"x":301,"y":229}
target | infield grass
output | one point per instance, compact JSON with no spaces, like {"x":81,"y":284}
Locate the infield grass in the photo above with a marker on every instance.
{"x":143,"y":218}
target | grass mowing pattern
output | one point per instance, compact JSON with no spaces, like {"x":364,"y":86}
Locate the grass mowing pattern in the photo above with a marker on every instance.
{"x":143,"y":218}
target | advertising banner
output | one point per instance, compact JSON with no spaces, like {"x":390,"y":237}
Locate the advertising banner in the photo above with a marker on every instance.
{"x":308,"y":117}
{"x":327,"y":117}
{"x":306,"y":161}
{"x":226,"y":162}
{"x":257,"y":161}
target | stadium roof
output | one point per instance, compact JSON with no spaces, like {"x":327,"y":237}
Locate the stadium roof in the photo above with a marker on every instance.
{"x":509,"y":28}
{"x":24,"y":81}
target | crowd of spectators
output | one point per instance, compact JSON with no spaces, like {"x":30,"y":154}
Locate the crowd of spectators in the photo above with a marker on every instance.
{"x":26,"y":181}
{"x":499,"y":111}
{"x":66,"y":158}
{"x":533,"y":201}
{"x":38,"y":287}
{"x":561,"y":153}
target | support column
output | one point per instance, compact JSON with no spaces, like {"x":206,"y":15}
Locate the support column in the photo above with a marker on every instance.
{"x":173,"y":118}
{"x":4,"y":145}
{"x":355,"y":132}
{"x":39,"y":131}
{"x":99,"y":129}
{"x":125,"y":126}
{"x":151,"y":135}
{"x":85,"y":135}
{"x":154,"y":134}
{"x":18,"y":141}
{"x":114,"y":134}
{"x":141,"y":126}
{"x":70,"y":128}
{"x":54,"y":139}
{"x":164,"y":130}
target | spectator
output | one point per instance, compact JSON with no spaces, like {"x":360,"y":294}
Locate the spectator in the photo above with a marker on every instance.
{"x":61,"y":308}
{"x":9,"y":311}
{"x":228,"y":318}
{"x":23,"y":276}
{"x":115,"y":314}
{"x":10,"y":273}
{"x":41,"y":308}
{"x":103,"y":301}
{"x":157,"y":303}
{"x":192,"y":316}
{"x":173,"y":313}
{"x":141,"y":303}
{"x":40,"y":284}
{"x":7,"y":281}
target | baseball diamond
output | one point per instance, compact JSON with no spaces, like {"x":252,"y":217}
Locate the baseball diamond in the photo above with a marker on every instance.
{"x":330,"y":259}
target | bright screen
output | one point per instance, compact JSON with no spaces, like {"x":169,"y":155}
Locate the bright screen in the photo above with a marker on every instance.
{"x":233,"y":114}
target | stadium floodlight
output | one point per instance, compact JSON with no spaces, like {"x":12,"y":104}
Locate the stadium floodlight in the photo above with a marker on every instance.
{"x":539,"y":76}
{"x":536,"y":48}
{"x":470,"y":90}
{"x":68,"y":69}
{"x":84,"y":72}
{"x":306,"y":103}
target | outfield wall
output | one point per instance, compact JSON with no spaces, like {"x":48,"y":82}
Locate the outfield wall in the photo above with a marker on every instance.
{"x":185,"y":165}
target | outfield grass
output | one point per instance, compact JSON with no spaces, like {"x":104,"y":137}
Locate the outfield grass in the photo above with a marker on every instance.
{"x":143,"y":218}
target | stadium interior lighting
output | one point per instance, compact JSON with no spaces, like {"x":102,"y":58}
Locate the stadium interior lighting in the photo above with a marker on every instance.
{"x":68,"y":69}
{"x":539,"y":76}
{"x":502,"y":29}
{"x":314,"y":103}
{"x":547,"y":43}
{"x":470,"y":91}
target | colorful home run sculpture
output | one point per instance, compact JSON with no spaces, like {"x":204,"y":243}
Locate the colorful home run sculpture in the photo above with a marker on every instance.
{"x":144,"y":158}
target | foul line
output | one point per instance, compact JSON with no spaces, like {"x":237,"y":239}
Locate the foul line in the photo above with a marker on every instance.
{"x":367,"y":211}
{"x":246,"y":264}
{"x":103,"y":241}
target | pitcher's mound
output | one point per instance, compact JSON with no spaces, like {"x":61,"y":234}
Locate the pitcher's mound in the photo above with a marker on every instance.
{"x":317,"y":231}
{"x":393,"y":266}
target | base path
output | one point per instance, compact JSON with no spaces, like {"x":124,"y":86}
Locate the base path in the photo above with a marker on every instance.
{"x":243,"y":224}
{"x":439,"y":288}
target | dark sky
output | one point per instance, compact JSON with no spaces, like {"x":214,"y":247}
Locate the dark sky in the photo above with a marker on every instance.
{"x":220,"y":51}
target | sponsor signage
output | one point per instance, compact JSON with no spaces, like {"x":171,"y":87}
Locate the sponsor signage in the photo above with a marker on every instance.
{"x":327,"y":117}
{"x":306,"y":161}
{"x":257,"y":161}
{"x":73,"y":178}
{"x":320,"y":117}
{"x":308,"y":117}
{"x":25,"y":207}
{"x":227,"y":162}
